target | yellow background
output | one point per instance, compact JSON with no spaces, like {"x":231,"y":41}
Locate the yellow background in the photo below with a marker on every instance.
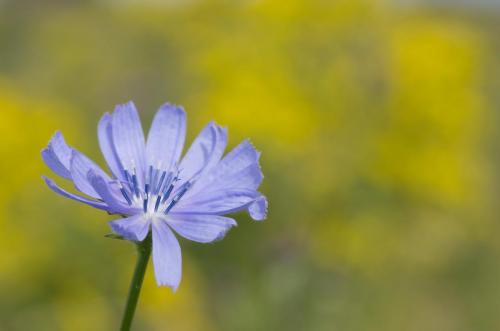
{"x":378,"y":125}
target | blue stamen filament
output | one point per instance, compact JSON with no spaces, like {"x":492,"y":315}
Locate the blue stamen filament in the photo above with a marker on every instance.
{"x":157,"y":204}
{"x":167,"y":194}
{"x":125,"y":195}
{"x":128,"y":179}
{"x":154,"y":180}
{"x":135,"y":185}
{"x":150,"y":178}
{"x":159,"y":186}
{"x":160,"y":183}
{"x":178,"y":197}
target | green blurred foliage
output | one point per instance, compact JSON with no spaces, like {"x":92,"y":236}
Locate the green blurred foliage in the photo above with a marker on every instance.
{"x":378,"y":127}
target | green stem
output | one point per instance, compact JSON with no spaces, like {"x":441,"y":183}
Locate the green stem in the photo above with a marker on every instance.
{"x":143,"y":252}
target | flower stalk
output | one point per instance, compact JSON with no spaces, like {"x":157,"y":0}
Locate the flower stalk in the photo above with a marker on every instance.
{"x":143,"y":254}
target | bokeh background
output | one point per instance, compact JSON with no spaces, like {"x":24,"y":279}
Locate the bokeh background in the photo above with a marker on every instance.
{"x":378,"y":126}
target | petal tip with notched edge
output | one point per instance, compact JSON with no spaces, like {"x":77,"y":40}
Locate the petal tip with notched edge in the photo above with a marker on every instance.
{"x":258,"y":209}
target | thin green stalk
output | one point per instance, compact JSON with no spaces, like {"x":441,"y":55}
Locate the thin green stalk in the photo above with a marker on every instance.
{"x":143,"y":253}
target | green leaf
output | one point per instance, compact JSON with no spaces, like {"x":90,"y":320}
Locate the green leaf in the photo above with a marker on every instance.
{"x":114,"y":236}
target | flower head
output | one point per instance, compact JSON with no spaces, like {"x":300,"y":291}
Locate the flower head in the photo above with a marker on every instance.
{"x":156,"y":191}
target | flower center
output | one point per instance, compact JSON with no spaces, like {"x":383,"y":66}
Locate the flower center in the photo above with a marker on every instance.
{"x":156,"y":195}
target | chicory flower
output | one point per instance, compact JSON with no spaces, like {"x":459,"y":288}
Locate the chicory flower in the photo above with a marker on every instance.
{"x":157,"y":192}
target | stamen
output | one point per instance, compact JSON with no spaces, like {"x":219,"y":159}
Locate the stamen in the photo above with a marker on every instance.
{"x":167,"y":194}
{"x":185,"y":189}
{"x":154,"y":180}
{"x":167,"y":182}
{"x":160,"y":183}
{"x":125,"y":195}
{"x":128,"y":178}
{"x":150,"y":174}
{"x":157,"y":204}
{"x":178,"y":177}
{"x":136,"y":185}
{"x":155,"y":184}
{"x":178,"y":197}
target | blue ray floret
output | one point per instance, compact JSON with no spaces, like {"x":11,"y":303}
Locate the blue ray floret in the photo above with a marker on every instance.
{"x":154,"y":189}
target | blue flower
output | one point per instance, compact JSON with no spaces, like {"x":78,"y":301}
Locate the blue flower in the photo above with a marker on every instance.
{"x":156,"y":191}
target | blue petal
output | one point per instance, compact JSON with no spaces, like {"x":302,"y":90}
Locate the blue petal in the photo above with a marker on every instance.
{"x":239,"y":158}
{"x":105,"y":135}
{"x":57,"y":156}
{"x":116,"y":204}
{"x":133,"y":228}
{"x":166,"y":137}
{"x":201,"y":228}
{"x":258,"y":209}
{"x":248,"y":178}
{"x":128,"y":139}
{"x":235,"y":161}
{"x":217,"y":202}
{"x":206,"y":150}
{"x":80,"y":166}
{"x":96,"y":204}
{"x":167,"y":259}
